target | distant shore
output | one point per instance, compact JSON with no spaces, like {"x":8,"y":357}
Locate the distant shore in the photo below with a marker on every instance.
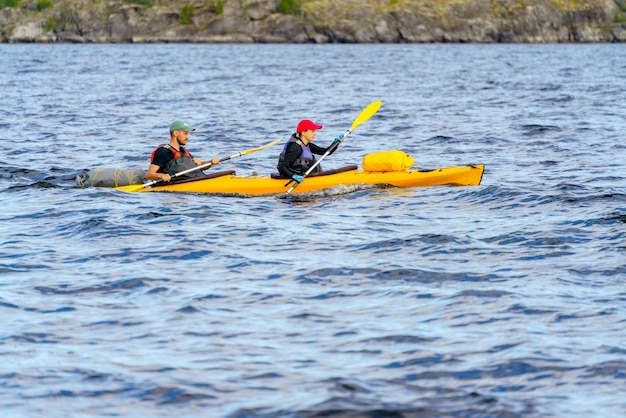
{"x":302,"y":21}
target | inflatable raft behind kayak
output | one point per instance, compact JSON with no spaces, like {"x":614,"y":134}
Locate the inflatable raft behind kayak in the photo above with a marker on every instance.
{"x":228,"y":182}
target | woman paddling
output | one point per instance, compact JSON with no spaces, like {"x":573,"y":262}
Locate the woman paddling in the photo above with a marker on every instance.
{"x":298,"y":153}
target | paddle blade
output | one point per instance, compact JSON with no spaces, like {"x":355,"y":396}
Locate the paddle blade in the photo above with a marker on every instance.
{"x":248,"y":151}
{"x":366,"y":113}
{"x":132,"y":188}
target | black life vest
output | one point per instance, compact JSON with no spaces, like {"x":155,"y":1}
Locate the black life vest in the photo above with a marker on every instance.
{"x":306,"y":160}
{"x":182,"y":161}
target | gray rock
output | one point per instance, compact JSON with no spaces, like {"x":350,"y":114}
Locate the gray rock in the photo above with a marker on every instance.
{"x":258,"y":10}
{"x":27,"y":32}
{"x":619,"y":33}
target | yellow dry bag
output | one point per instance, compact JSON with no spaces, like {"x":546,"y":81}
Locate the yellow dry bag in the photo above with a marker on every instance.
{"x":387,"y":161}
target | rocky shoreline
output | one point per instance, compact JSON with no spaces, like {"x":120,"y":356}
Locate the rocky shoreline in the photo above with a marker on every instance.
{"x":320,"y":21}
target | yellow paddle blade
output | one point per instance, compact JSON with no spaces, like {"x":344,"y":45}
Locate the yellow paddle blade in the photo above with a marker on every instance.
{"x":248,"y":151}
{"x":366,"y":113}
{"x":132,"y":188}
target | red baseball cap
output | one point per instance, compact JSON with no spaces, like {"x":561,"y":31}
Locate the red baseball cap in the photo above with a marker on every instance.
{"x":307,"y":124}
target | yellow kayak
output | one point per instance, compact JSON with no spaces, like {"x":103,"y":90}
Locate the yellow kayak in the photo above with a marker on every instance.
{"x":229,"y":183}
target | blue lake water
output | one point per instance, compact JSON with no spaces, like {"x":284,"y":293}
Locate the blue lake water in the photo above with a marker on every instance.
{"x":501,"y":300}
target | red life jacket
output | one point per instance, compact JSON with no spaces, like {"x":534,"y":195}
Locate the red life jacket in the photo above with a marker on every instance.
{"x":182,"y":161}
{"x":177,"y":154}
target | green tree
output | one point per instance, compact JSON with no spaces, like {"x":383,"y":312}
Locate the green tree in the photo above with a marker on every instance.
{"x":8,"y":3}
{"x":144,"y":2}
{"x":186,"y":13}
{"x":289,"y":7}
{"x":218,"y":7}
{"x":51,"y":24}
{"x":43,"y":4}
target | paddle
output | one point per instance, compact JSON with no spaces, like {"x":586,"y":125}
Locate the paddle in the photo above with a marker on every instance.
{"x":203,"y":166}
{"x":365,"y":114}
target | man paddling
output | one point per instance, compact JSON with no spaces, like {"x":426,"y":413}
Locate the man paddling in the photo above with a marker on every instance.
{"x":168,"y":159}
{"x":298,"y":153}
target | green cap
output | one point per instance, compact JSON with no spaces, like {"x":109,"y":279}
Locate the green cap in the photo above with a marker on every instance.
{"x":179,"y":125}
